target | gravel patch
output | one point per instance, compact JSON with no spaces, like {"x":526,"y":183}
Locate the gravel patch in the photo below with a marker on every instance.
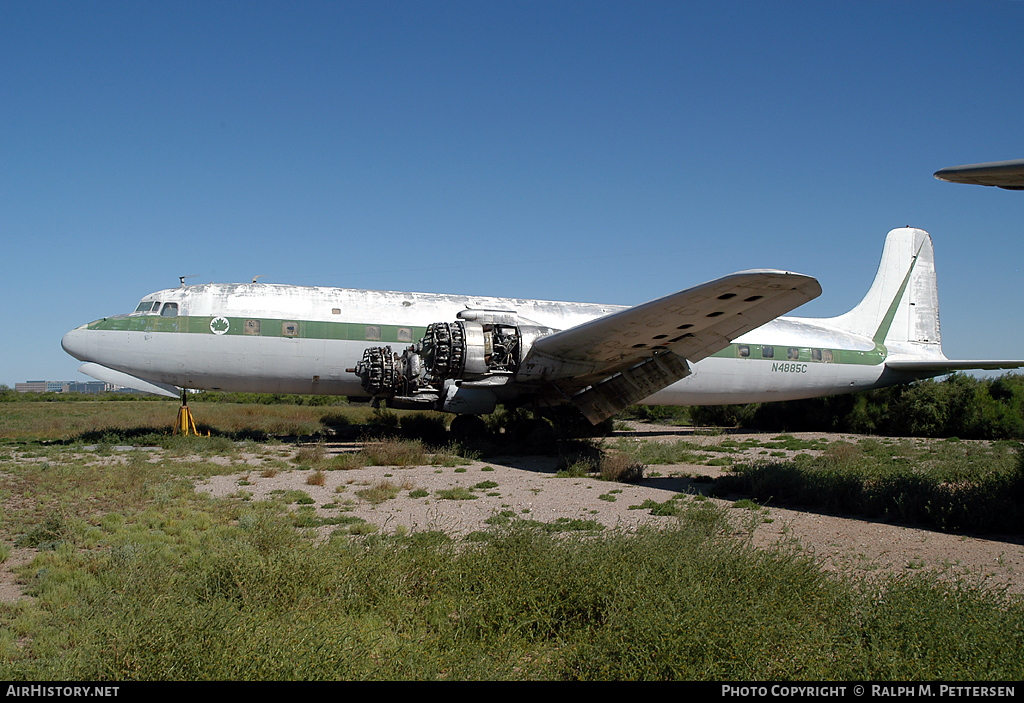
{"x":463,"y":499}
{"x":528,"y":487}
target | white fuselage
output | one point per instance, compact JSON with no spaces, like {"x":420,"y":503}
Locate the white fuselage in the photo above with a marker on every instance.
{"x":306,"y":340}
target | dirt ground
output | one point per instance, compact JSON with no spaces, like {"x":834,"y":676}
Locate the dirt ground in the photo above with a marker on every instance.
{"x":528,"y":487}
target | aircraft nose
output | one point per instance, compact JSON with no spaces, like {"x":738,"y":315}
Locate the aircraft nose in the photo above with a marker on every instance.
{"x":77,"y":343}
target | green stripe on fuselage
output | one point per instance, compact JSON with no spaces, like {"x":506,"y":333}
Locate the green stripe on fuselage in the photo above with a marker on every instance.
{"x":263,"y":327}
{"x":398,"y":334}
{"x":872,"y":357}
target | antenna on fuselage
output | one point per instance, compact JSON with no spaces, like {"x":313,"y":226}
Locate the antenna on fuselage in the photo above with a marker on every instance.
{"x":182,"y":278}
{"x":260,"y":276}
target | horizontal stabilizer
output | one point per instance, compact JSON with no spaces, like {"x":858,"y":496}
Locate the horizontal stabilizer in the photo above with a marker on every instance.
{"x":950,"y":365}
{"x":118,"y":378}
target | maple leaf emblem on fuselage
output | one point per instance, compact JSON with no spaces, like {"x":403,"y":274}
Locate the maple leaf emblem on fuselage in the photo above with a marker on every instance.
{"x":219,"y":325}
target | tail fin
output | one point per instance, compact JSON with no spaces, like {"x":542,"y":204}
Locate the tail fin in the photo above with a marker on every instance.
{"x":901,"y":308}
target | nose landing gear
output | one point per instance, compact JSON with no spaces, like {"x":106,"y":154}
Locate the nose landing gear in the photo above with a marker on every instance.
{"x":185,"y":420}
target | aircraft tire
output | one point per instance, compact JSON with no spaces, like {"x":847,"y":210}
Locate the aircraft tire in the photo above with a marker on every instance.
{"x":535,"y":436}
{"x":467,"y":428}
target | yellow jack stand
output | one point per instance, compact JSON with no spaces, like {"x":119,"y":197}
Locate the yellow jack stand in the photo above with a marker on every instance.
{"x":185,"y":420}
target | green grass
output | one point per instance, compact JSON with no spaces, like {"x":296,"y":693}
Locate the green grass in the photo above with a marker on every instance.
{"x":126,"y":421}
{"x":950,"y":485}
{"x":393,"y":451}
{"x":577,"y":469}
{"x":947,"y":485}
{"x":678,"y":452}
{"x":457,"y":493}
{"x":135,"y":576}
{"x":257,"y":600}
{"x":609,"y":462}
{"x":379,"y":492}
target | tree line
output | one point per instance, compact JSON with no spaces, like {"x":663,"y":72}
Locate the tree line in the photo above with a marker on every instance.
{"x":957,"y":406}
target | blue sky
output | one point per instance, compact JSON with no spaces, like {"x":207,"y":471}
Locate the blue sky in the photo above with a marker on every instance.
{"x":592,"y":151}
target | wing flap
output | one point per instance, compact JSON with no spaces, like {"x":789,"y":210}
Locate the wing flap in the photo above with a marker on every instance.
{"x":629,"y":386}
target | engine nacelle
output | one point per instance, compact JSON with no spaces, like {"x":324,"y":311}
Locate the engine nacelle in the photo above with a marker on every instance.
{"x":456,"y":366}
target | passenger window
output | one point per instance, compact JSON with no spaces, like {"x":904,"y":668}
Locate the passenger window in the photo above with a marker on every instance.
{"x":743,"y":351}
{"x":767,"y":352}
{"x":170,"y":310}
{"x":289,"y":329}
{"x":815,"y":355}
{"x":404,"y":334}
{"x":252,"y":327}
{"x":793,"y":353}
{"x":373,"y":332}
{"x":826,"y":355}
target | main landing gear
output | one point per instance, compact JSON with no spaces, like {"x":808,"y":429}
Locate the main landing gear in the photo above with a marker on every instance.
{"x":467,"y":428}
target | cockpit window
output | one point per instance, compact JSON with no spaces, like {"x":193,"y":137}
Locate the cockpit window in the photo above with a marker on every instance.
{"x":170,"y":310}
{"x":145,"y":306}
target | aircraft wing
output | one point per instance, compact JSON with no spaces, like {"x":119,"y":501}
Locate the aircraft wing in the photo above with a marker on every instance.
{"x":1003,"y":174}
{"x":119,"y":378}
{"x":616,"y":360}
{"x":950,"y":365}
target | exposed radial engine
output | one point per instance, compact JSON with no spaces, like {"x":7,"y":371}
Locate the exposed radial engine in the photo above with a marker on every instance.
{"x":456,"y":366}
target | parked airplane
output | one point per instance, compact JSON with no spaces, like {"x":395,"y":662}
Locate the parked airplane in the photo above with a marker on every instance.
{"x":720,"y":342}
{"x":1002,"y":174}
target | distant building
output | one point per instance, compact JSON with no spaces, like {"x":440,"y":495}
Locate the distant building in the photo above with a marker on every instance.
{"x":88,"y":387}
{"x":65,"y":387}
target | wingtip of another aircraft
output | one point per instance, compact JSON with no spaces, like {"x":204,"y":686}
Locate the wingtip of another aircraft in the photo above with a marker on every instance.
{"x":1008,"y":175}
